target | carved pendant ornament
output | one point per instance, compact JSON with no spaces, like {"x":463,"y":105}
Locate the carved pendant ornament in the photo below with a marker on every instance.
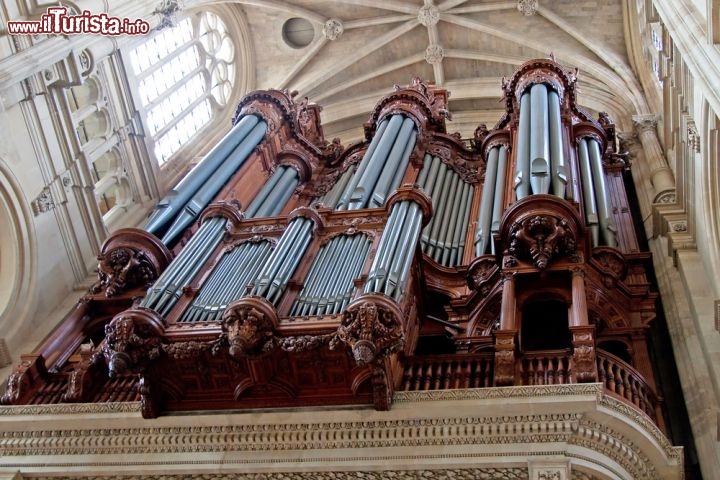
{"x":372,"y":330}
{"x":248,"y":328}
{"x":542,"y":237}
{"x":133,"y":340}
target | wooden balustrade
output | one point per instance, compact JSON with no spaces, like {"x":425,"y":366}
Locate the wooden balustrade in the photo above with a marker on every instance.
{"x":443,"y":372}
{"x":548,"y":367}
{"x":627,"y":383}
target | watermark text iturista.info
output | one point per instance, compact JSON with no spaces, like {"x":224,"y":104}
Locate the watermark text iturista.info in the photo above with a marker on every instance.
{"x":57,"y":21}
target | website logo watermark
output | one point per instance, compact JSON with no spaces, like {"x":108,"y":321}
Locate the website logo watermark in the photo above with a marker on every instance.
{"x":57,"y":21}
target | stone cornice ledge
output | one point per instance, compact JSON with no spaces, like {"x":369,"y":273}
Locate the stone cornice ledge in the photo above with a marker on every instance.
{"x":463,"y":431}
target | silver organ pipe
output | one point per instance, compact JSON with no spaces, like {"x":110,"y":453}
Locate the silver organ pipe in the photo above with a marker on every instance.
{"x":443,"y":238}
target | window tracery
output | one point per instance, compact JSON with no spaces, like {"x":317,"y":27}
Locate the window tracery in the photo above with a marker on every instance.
{"x":185,"y":76}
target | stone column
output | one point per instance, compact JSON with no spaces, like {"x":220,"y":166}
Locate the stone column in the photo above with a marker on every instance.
{"x":661,"y":176}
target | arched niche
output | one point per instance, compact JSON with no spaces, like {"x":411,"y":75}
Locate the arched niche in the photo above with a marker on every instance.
{"x":17,"y":258}
{"x":84,"y":95}
{"x":95,"y":125}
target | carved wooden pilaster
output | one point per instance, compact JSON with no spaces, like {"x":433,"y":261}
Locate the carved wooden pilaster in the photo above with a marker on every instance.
{"x":584,"y":366}
{"x":508,"y":308}
{"x":505,"y":348}
{"x":579,"y":313}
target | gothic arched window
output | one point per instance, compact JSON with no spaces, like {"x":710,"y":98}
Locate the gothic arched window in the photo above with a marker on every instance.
{"x":185,"y":75}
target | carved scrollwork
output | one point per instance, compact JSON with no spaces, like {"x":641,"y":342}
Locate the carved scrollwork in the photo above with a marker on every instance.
{"x":89,"y":369}
{"x":372,"y":328}
{"x":25,"y":375}
{"x":132,"y":341}
{"x":480,"y":273}
{"x":121,"y":269}
{"x":542,"y":237}
{"x":128,"y":259}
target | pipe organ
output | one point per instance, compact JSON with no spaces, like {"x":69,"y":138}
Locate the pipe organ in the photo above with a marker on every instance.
{"x":285,"y":270}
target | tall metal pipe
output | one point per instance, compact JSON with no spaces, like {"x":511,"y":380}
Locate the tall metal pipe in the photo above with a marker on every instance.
{"x":460,"y":225}
{"x":486,"y":203}
{"x":441,"y":202}
{"x":466,"y":221}
{"x":269,"y":186}
{"x":557,"y":152}
{"x":447,"y":232}
{"x":217,"y":180}
{"x":499,"y":192}
{"x":389,"y":239}
{"x":389,"y":167}
{"x":539,"y":139}
{"x":347,"y":193}
{"x":360,"y":261}
{"x":404,"y":248}
{"x":361,"y":194}
{"x":607,"y":226}
{"x":345,"y":279}
{"x":387,"y":184}
{"x":522,"y":165}
{"x":176,"y":198}
{"x":591,"y":212}
{"x":400,"y":274}
{"x":448,"y":221}
{"x":281,"y":193}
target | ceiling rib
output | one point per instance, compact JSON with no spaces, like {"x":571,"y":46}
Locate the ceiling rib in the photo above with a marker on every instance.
{"x":319,"y":75}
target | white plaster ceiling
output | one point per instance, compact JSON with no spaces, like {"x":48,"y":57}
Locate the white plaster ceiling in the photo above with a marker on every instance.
{"x":386,"y":42}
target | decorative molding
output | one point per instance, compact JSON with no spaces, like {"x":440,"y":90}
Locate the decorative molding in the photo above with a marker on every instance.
{"x":428,"y":15}
{"x":451,"y":420}
{"x":528,"y":8}
{"x":594,"y":389}
{"x":514,"y":473}
{"x":43,"y":202}
{"x":434,"y":54}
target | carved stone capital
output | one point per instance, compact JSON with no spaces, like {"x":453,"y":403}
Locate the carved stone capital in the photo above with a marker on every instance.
{"x":133,"y":340}
{"x":248,"y":325}
{"x":645,"y":123}
{"x":372,"y":328}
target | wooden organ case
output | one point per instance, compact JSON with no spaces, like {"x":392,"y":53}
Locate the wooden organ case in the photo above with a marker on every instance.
{"x":285,"y":270}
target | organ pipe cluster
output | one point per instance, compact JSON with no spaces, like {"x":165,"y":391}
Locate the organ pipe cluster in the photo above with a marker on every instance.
{"x":329,"y":289}
{"x":540,"y":157}
{"x":443,"y":238}
{"x":491,"y":204}
{"x":390,"y":268}
{"x":382,"y":167}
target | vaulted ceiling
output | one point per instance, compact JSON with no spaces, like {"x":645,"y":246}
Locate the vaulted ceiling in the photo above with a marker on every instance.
{"x":358,"y":49}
